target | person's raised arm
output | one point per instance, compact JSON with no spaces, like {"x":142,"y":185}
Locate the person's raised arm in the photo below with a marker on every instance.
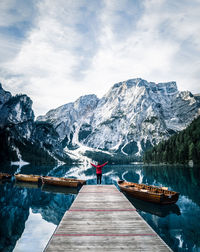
{"x":93,"y":165}
{"x":104,"y":164}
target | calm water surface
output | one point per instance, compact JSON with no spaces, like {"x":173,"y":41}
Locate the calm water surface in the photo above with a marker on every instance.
{"x":29,"y":215}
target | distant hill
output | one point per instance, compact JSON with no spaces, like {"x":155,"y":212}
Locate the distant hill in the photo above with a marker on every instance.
{"x":180,"y":148}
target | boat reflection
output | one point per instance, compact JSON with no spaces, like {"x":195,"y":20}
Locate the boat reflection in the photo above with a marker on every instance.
{"x":155,"y":209}
{"x":22,"y":184}
{"x":59,"y":189}
{"x":47,"y":188}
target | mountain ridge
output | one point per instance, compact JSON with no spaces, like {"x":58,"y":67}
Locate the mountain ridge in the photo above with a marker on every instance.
{"x":21,"y":138}
{"x":132,"y":116}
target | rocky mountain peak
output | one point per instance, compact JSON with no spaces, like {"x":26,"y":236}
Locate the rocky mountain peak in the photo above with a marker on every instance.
{"x":86,"y":103}
{"x":21,"y":137}
{"x":165,"y":88}
{"x":18,"y":109}
{"x":4,"y":96}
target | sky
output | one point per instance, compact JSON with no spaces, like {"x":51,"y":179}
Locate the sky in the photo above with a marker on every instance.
{"x":58,"y":50}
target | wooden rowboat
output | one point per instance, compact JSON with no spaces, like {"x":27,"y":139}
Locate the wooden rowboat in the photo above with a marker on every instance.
{"x":69,"y":182}
{"x":28,"y":178}
{"x":159,"y":195}
{"x":83,"y":182}
{"x":5,"y":176}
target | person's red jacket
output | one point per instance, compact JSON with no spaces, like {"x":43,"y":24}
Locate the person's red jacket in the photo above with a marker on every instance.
{"x":99,"y":167}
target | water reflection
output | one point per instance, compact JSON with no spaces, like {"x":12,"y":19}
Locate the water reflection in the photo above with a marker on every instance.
{"x":18,"y":202}
{"x":180,"y":231}
{"x":59,"y":189}
{"x":155,"y":209}
{"x":177,"y":224}
{"x":35,"y":228}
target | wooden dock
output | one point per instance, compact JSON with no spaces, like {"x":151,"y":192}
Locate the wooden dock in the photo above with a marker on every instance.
{"x":102,"y":219}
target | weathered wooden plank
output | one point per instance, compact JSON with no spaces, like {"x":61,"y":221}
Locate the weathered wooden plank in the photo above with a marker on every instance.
{"x":102,"y":219}
{"x":107,"y":243}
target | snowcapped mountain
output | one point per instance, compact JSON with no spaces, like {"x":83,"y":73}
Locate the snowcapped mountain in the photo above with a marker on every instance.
{"x":131,"y":117}
{"x":23,"y":138}
{"x":67,"y":118}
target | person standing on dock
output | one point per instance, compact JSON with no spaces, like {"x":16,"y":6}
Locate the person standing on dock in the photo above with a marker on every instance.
{"x":99,"y":171}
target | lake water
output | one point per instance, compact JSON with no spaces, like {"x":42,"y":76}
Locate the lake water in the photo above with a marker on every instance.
{"x":29,"y":215}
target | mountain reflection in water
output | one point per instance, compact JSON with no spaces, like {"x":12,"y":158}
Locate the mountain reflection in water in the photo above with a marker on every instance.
{"x":22,"y":204}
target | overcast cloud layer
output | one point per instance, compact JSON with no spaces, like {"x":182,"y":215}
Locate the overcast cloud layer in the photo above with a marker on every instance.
{"x":56,"y":51}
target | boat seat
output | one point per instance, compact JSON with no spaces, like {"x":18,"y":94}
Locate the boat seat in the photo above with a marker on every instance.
{"x":144,"y":190}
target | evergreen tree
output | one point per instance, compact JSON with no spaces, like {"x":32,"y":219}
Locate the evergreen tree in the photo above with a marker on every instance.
{"x":192,"y":152}
{"x":179,"y":148}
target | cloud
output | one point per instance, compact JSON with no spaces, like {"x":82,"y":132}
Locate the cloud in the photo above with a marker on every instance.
{"x":16,"y":12}
{"x":56,"y":52}
{"x":68,"y":48}
{"x":140,"y":53}
{"x":36,"y":234}
{"x":178,"y":24}
{"x":158,"y":48}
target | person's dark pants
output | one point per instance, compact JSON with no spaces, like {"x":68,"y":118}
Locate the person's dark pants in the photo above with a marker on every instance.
{"x":99,"y":178}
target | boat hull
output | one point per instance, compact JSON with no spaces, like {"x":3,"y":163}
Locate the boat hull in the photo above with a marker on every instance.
{"x":83,"y":182}
{"x":155,"y":209}
{"x":61,"y":181}
{"x":5,"y":176}
{"x":149,"y":193}
{"x":27,"y":178}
